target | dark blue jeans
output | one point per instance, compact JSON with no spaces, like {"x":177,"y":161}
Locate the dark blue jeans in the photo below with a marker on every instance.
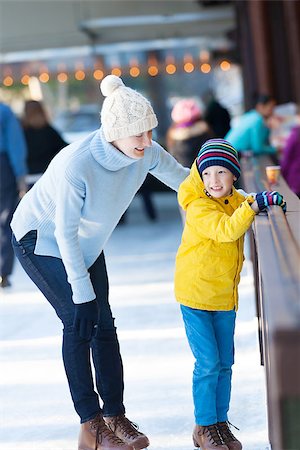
{"x":49,"y":274}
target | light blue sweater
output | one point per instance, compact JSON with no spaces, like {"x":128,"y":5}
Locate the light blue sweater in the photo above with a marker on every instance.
{"x":79,"y":200}
{"x":250,"y":133}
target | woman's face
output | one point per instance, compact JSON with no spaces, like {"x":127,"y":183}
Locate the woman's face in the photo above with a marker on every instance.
{"x":134,"y":146}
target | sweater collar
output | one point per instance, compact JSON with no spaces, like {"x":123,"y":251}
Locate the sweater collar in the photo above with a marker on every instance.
{"x":107,"y":155}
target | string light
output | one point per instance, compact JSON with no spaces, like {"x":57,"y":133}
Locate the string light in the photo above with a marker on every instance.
{"x":170,"y":65}
{"x":225,"y":65}
{"x":205,"y":68}
{"x":99,"y":71}
{"x":44,"y":77}
{"x":25,"y":79}
{"x":188,"y":67}
{"x":134,"y":71}
{"x":8,"y":81}
{"x":62,"y":77}
{"x":153,"y":71}
{"x":152,"y":66}
{"x":79,"y":75}
{"x":116,"y":71}
{"x":98,"y":74}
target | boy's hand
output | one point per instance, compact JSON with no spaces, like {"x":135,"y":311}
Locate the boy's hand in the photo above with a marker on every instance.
{"x":85,"y":319}
{"x":269,"y":198}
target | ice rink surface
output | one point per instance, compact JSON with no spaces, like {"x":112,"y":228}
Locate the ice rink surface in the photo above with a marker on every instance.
{"x":36,"y":408}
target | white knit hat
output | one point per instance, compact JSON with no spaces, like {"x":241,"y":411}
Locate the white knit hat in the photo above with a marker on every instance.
{"x":124,"y":112}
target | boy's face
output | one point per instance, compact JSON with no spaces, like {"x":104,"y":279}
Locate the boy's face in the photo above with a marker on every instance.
{"x":218,"y":181}
{"x":134,"y":146}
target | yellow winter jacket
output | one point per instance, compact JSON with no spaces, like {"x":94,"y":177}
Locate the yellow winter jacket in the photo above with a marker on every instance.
{"x":210,"y":257}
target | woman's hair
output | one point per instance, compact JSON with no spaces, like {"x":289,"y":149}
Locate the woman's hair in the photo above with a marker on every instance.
{"x":263,"y":99}
{"x":34,"y":115}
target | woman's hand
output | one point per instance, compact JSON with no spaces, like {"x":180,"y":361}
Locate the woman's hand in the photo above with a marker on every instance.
{"x":85,"y":319}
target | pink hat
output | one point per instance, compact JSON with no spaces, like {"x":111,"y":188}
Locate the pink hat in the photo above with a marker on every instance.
{"x":186,"y":110}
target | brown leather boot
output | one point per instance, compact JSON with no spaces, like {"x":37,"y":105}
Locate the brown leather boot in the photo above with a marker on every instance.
{"x":227,"y":436}
{"x":127,"y":431}
{"x":95,"y":435}
{"x":208,"y":438}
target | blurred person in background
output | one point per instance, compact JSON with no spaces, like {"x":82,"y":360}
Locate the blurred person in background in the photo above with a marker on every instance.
{"x":43,"y":141}
{"x":60,"y":229}
{"x":217,"y":117}
{"x":145,"y":192}
{"x":251,"y":131}
{"x":13,"y":169}
{"x":290,"y":158}
{"x":187,"y":132}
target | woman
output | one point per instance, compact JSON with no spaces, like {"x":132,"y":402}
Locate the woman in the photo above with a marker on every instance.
{"x":60,"y":229}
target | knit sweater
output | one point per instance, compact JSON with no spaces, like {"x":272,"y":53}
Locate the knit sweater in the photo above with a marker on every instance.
{"x":79,"y":200}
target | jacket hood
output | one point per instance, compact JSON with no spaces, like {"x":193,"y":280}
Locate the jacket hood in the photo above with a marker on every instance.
{"x":191,"y":188}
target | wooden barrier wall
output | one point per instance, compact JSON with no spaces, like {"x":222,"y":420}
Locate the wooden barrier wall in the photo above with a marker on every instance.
{"x":276,"y":261}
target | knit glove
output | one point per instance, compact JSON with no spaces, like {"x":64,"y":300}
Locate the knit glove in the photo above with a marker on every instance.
{"x":85,"y":319}
{"x":268,"y":198}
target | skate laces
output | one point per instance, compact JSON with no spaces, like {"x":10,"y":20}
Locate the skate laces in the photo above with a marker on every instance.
{"x":213,"y":434}
{"x":103,"y":432}
{"x":225,"y":431}
{"x":126,"y":427}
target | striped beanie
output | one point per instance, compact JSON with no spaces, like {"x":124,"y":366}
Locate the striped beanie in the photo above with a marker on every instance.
{"x":218,"y":152}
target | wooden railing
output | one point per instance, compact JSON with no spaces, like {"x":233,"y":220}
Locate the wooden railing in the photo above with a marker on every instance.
{"x":275,"y":249}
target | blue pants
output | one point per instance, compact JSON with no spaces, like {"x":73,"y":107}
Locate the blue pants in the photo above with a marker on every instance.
{"x":49,"y":274}
{"x":210,"y":335}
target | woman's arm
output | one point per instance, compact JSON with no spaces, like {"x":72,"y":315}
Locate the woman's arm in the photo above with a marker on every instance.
{"x":167,"y":169}
{"x":70,"y":201}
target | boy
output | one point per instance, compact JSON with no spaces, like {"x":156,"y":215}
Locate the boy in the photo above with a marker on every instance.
{"x":208,"y":266}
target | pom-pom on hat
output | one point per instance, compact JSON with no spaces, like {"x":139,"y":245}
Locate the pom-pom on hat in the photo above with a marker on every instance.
{"x":124,"y":112}
{"x":218,"y":152}
{"x":186,"y":110}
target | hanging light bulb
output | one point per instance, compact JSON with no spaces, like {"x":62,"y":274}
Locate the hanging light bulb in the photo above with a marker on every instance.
{"x":134,"y":68}
{"x":25,"y":79}
{"x":170,"y":65}
{"x":62,"y":77}
{"x":116,"y":71}
{"x":205,"y":68}
{"x":98,"y":74}
{"x":152,"y":66}
{"x":79,"y":75}
{"x":8,"y":81}
{"x":225,"y":65}
{"x":44,"y":77}
{"x":188,"y":65}
{"x":153,"y":71}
